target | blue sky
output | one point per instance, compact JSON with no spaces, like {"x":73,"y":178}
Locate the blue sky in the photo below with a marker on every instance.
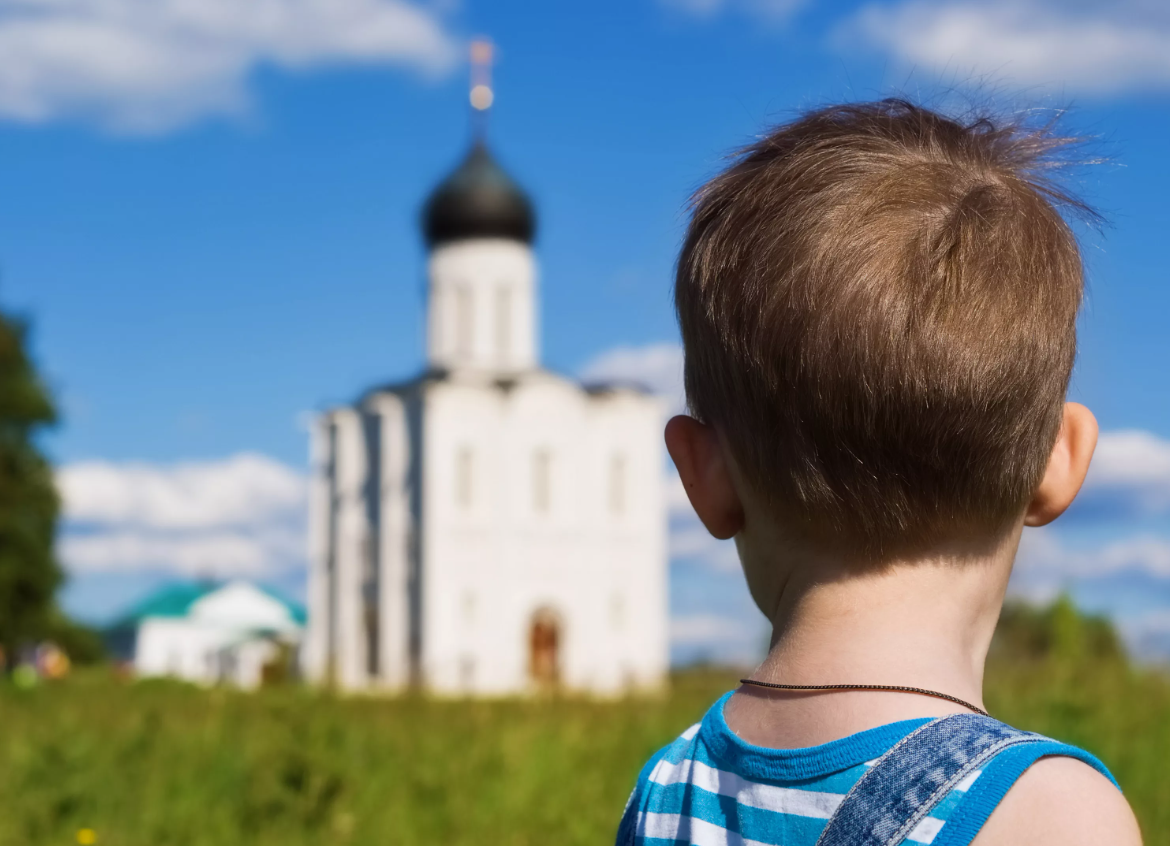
{"x":209,"y":213}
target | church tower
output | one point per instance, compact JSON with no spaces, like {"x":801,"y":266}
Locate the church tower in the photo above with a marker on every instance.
{"x":479,"y":226}
{"x":488,"y":527}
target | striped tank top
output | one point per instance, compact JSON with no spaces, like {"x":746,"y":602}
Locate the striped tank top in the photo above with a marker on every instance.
{"x":710,"y":788}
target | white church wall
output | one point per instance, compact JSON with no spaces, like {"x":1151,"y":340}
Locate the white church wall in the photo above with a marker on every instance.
{"x":482,"y":305}
{"x":554,"y":566}
{"x":499,"y":543}
{"x":627,"y":457}
{"x":242,"y":664}
{"x":395,"y":534}
{"x":461,"y":537}
{"x":203,"y":651}
{"x":503,"y":550}
{"x":176,"y":647}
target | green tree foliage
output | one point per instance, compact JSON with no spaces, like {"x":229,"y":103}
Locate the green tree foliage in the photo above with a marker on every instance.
{"x":1058,"y":631}
{"x":29,"y":573}
{"x":82,"y":644}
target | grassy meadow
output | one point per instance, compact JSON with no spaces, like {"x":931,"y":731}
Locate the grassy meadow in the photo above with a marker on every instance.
{"x":163,"y":764}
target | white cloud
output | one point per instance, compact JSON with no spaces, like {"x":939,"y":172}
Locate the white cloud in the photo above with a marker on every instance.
{"x":1047,"y":564}
{"x":242,"y":515}
{"x":243,"y":490}
{"x":151,"y":65}
{"x":1148,"y":636}
{"x":1126,"y":579}
{"x":694,"y":629}
{"x":1075,"y":46}
{"x":215,"y":553}
{"x":658,"y":367}
{"x":736,"y":641}
{"x":692,"y":542}
{"x":1133,"y":469}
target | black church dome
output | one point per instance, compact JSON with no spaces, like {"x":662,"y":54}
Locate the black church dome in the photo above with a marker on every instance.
{"x":478,"y":200}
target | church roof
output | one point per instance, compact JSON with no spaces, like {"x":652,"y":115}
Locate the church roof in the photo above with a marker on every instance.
{"x":594,"y":388}
{"x":177,"y":599}
{"x":173,"y":600}
{"x":478,"y":200}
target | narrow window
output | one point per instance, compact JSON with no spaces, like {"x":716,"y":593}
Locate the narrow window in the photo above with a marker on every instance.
{"x":617,"y":612}
{"x":617,"y":485}
{"x":464,"y":477}
{"x":464,"y":321}
{"x":503,"y":323}
{"x":467,"y":672}
{"x":542,"y":481}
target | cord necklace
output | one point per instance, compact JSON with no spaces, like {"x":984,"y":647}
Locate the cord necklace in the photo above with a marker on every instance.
{"x":893,"y":687}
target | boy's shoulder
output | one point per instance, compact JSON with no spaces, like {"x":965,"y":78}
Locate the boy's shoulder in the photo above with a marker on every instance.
{"x":1061,"y":801}
{"x":679,"y":751}
{"x":1039,"y":792}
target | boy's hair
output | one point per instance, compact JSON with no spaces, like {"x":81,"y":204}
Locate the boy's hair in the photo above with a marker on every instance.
{"x":878,"y":307}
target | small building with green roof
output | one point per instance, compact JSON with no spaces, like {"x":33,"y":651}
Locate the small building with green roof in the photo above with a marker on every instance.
{"x":210,"y":633}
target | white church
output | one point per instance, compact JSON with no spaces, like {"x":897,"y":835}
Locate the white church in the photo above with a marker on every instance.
{"x":488,"y":527}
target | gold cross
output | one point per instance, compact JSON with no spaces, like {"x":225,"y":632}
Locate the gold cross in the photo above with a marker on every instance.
{"x":481,"y":74}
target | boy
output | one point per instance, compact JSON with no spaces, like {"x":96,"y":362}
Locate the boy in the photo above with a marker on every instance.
{"x":878,"y":309}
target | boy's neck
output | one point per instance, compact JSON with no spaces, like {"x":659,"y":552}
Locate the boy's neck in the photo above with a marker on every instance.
{"x":925,"y":623}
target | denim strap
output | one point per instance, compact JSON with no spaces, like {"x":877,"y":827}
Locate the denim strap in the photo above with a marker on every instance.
{"x":907,"y":782}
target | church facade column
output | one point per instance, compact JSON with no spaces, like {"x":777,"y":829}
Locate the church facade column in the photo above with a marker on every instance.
{"x":351,"y":549}
{"x":396,"y":519}
{"x":318,"y":647}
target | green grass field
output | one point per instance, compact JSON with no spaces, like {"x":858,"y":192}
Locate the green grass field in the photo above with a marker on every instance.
{"x":151,"y":764}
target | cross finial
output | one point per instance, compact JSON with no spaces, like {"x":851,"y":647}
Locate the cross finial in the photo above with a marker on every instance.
{"x":481,"y":80}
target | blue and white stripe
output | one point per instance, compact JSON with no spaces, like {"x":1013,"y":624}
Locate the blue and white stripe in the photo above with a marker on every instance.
{"x":709,"y":788}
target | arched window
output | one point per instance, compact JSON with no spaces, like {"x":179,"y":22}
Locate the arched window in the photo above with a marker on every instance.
{"x":467,"y":672}
{"x":464,"y":477}
{"x":617,"y":612}
{"x":542,"y":481}
{"x":503,"y":322}
{"x":617,"y":485}
{"x":464,"y":321}
{"x":544,"y":647}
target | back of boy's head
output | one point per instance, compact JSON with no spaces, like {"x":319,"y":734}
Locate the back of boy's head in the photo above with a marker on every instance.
{"x":878,"y":307}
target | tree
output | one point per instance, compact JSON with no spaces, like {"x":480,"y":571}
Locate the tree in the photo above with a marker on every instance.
{"x":1057,"y":631}
{"x":29,"y":572}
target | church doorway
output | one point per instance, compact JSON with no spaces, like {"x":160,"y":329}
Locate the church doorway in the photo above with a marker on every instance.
{"x":544,"y":642}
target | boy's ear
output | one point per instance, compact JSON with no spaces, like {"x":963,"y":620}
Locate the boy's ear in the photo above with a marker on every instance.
{"x":1067,"y":466}
{"x":702,"y":465}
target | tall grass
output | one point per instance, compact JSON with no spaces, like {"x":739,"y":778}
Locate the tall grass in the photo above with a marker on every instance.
{"x":161,"y":763}
{"x":154,"y":764}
